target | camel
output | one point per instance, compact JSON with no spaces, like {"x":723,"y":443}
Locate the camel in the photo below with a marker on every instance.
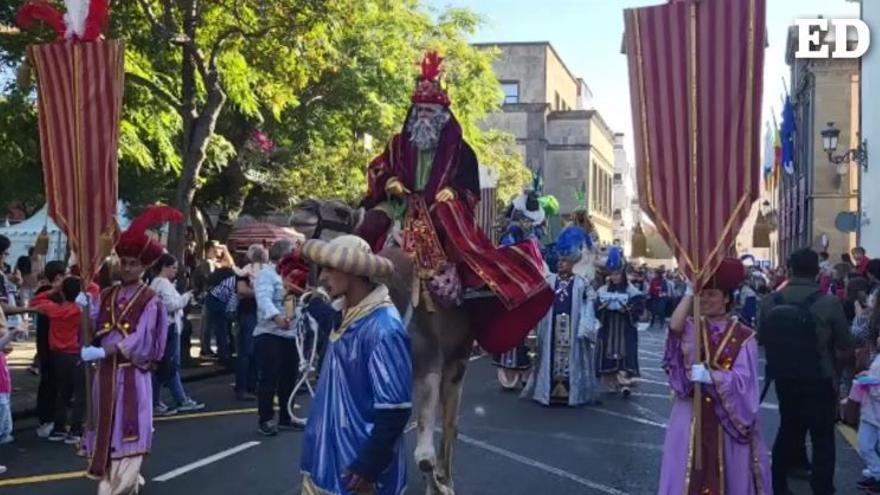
{"x":441,"y":345}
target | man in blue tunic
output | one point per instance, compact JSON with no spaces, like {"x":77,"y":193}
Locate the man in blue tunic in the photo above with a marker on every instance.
{"x":355,"y":427}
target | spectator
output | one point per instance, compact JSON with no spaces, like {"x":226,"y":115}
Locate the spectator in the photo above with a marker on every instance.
{"x":64,"y":344}
{"x":657,"y":293}
{"x":855,"y":307}
{"x":7,"y":287}
{"x":799,"y":327}
{"x":221,"y":301}
{"x":246,"y":371}
{"x":168,"y":374}
{"x":47,"y":392}
{"x":866,"y":391}
{"x":205,"y":268}
{"x":28,"y":279}
{"x":841,"y":274}
{"x":274,"y":345}
{"x":861,"y":260}
{"x":826,"y":273}
{"x":6,"y":337}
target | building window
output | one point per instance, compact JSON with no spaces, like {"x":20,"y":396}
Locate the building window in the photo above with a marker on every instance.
{"x":609,"y":191}
{"x":617,"y":215}
{"x":618,"y":179}
{"x":511,"y":92}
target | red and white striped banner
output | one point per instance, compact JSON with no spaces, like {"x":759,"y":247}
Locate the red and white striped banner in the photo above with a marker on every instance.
{"x":696,"y":70}
{"x":80,"y":87}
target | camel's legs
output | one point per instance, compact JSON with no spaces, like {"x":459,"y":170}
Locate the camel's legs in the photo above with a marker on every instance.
{"x":450,"y":400}
{"x":427,"y":392}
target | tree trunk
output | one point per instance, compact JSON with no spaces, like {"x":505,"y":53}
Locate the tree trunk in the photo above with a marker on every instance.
{"x":200,"y":230}
{"x":198,"y":127}
{"x":193,"y":159}
{"x":238,"y":189}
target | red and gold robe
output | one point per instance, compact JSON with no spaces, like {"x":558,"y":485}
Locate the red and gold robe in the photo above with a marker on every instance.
{"x":451,"y":233}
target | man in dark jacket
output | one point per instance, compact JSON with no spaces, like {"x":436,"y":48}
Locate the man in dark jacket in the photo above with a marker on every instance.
{"x":808,"y":405}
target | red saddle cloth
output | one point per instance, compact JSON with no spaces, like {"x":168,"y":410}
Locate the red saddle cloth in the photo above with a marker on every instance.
{"x":513,"y":273}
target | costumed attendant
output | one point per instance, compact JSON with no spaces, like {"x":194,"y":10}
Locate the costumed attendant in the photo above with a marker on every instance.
{"x":355,"y":428}
{"x":735,"y":458}
{"x":619,"y":305}
{"x":564,"y":371}
{"x":131,"y":326}
{"x":525,"y":218}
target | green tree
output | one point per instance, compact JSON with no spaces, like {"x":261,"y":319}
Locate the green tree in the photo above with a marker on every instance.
{"x":317,"y":76}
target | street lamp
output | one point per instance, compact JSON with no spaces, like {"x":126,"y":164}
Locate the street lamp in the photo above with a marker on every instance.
{"x":830,"y":136}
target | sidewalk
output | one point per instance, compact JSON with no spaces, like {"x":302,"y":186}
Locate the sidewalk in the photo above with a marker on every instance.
{"x":25,"y":384}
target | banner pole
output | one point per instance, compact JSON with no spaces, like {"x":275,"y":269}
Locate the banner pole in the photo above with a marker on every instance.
{"x":698,"y":388}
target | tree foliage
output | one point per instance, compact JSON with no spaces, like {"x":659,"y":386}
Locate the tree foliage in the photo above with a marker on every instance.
{"x":321,"y":78}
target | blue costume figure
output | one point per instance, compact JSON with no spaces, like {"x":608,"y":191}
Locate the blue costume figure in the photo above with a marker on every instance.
{"x":618,"y":307}
{"x":564,"y":372}
{"x":354,"y":435}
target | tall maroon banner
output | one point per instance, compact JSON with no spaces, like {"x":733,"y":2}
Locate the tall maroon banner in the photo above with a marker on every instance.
{"x":79,"y":94}
{"x":696,"y":73}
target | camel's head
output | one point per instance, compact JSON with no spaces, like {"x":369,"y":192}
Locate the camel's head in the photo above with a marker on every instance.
{"x":325,"y":219}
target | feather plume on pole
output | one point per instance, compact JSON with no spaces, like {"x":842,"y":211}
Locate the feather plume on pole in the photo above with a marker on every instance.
{"x":36,"y":11}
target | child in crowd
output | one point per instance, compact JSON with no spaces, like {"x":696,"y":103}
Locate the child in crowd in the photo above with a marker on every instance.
{"x":64,"y":345}
{"x":6,"y":338}
{"x":866,"y":391}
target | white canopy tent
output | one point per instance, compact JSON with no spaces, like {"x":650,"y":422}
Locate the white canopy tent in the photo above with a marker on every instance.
{"x":23,"y":235}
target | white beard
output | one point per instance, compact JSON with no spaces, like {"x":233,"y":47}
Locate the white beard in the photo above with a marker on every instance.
{"x":425,"y":133}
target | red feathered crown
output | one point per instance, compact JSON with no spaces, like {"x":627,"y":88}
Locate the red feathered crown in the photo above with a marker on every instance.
{"x":86,"y":21}
{"x":429,"y":87}
{"x":729,"y":275}
{"x":137,"y":243}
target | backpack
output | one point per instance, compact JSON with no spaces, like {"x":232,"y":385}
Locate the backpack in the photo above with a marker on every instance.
{"x":790,"y":340}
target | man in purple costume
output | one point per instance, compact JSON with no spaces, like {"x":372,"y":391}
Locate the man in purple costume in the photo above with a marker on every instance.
{"x":130,"y":325}
{"x":735,"y":458}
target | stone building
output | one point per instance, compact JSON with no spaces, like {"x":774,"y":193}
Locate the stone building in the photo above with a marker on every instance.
{"x":548,"y":110}
{"x":625,"y":213}
{"x":812,"y":198}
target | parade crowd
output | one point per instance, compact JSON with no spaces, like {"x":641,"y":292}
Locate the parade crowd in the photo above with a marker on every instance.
{"x":818,"y":323}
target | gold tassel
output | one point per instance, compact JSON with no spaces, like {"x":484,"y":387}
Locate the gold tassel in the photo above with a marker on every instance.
{"x":41,"y":246}
{"x":105,"y":246}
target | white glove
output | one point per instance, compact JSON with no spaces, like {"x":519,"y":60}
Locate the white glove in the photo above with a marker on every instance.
{"x":83,"y":300}
{"x":92,"y":353}
{"x":700,"y":374}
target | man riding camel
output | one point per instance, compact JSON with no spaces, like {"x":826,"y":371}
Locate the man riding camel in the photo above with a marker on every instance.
{"x":422,"y":195}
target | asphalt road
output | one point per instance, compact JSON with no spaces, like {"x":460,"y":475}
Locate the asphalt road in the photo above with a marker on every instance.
{"x":506,"y":446}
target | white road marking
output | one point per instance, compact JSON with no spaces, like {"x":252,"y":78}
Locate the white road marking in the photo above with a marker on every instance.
{"x":653,"y":382}
{"x":646,"y":412}
{"x":204,"y":462}
{"x":631,"y":418}
{"x":653,"y":396}
{"x":540,"y":465}
{"x":764,"y":405}
{"x":652,"y":354}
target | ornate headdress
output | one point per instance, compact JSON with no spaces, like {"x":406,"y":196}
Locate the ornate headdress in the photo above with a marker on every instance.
{"x":430,"y":87}
{"x":348,"y":254}
{"x":570,"y":243}
{"x":137,"y":243}
{"x":728,"y":276}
